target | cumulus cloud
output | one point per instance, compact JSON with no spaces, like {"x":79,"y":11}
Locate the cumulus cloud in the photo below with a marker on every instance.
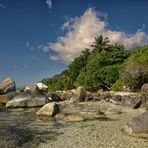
{"x":49,"y":3}
{"x":81,"y":32}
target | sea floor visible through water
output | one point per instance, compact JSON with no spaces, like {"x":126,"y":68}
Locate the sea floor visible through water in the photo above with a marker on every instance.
{"x":22,"y":128}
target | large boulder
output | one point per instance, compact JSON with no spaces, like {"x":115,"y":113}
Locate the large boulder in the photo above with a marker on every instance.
{"x":32,"y":96}
{"x":138,"y":125}
{"x":26,"y":99}
{"x":80,"y":95}
{"x":50,"y":109}
{"x":144,"y":87}
{"x":7,"y":97}
{"x":7,"y":85}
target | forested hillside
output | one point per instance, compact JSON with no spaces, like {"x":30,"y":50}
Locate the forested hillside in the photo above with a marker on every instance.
{"x":104,"y":65}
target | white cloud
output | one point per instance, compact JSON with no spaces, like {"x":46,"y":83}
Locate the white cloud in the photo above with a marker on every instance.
{"x":49,"y":3}
{"x":27,"y":44}
{"x":81,"y":32}
{"x":2,"y":6}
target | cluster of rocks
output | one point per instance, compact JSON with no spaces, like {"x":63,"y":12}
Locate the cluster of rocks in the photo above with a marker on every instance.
{"x":66,"y":105}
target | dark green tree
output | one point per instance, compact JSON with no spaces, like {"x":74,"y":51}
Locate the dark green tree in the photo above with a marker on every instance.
{"x":75,"y":67}
{"x":101,"y":44}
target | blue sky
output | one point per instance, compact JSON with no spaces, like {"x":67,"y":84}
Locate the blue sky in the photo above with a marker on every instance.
{"x":38,"y":38}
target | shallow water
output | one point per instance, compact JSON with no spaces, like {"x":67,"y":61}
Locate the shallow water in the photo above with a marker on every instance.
{"x":45,"y":132}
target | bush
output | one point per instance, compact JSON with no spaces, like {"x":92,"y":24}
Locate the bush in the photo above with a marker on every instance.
{"x":135,"y":73}
{"x":118,"y":86}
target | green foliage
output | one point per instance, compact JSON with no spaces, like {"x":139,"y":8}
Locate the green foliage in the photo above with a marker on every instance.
{"x":102,"y":69}
{"x":66,"y":79}
{"x":109,"y":74}
{"x":59,"y":82}
{"x":135,"y":73}
{"x":76,"y":66}
{"x":118,"y":86}
{"x":101,"y":44}
{"x":104,"y":66}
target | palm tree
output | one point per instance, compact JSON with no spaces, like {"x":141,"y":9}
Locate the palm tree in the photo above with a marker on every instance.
{"x":101,"y":44}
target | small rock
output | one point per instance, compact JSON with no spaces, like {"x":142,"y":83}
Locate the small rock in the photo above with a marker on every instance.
{"x":144,"y":87}
{"x":96,"y":98}
{"x":54,"y":96}
{"x":88,"y":98}
{"x":66,"y":95}
{"x":50,"y":109}
{"x":116,"y":98}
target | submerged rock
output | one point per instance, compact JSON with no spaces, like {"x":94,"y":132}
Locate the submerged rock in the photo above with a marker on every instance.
{"x":60,"y":116}
{"x":72,"y":109}
{"x":73,"y":118}
{"x":90,"y":113}
{"x":138,"y":125}
{"x":7,"y":85}
{"x":113,"y":111}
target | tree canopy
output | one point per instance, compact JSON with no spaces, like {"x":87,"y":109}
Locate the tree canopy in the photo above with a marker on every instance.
{"x":105,"y":66}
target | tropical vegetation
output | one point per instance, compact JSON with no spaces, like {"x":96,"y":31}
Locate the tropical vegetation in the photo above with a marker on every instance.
{"x":104,"y":65}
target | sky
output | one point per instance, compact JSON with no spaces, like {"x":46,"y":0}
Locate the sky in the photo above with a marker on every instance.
{"x":39,"y":38}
